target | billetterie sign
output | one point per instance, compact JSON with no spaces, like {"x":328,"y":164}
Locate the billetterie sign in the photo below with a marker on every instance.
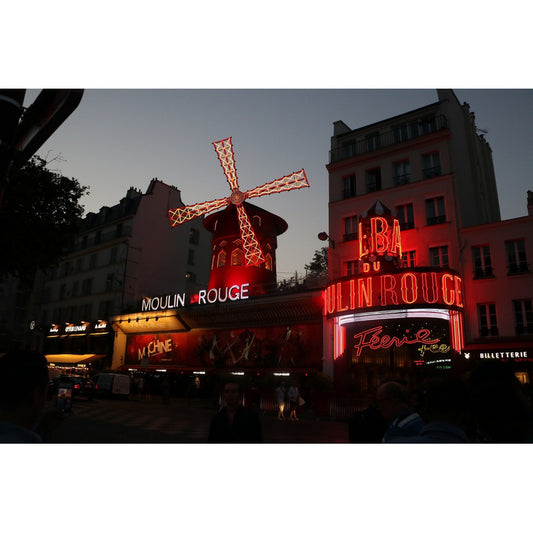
{"x":400,"y":289}
{"x":205,"y":296}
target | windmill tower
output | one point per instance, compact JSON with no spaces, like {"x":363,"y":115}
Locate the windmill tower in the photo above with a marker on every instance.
{"x":244,"y":236}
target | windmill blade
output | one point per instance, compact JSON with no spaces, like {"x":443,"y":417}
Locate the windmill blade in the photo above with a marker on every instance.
{"x":224,"y":149}
{"x":184,"y":214}
{"x":296,"y":180}
{"x":252,"y":252}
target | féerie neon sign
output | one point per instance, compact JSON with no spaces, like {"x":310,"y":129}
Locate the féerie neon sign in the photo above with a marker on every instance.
{"x":372,"y":338}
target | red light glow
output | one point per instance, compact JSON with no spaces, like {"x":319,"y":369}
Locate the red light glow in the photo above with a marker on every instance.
{"x":252,"y":251}
{"x":399,"y":289}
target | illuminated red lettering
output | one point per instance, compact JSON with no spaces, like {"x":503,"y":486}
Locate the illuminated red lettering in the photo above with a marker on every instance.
{"x":340,"y":306}
{"x":364,"y":290}
{"x":409,"y":288}
{"x":371,"y":338}
{"x":388,"y":286}
{"x":448,"y":295}
{"x":434,"y":287}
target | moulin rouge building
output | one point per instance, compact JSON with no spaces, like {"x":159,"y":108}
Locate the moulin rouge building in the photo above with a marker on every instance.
{"x":238,"y":323}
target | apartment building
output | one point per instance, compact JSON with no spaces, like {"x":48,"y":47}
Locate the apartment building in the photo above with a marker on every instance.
{"x":433,"y":169}
{"x":123,"y":254}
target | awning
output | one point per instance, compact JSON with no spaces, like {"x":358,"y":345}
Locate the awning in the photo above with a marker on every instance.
{"x":73,"y":358}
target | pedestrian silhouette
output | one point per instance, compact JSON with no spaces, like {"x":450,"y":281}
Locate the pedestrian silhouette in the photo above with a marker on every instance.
{"x":234,"y":423}
{"x":402,"y":420}
{"x":23,"y":393}
{"x":444,"y":407}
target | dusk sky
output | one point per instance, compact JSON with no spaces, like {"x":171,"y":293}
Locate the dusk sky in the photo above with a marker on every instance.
{"x":121,"y":138}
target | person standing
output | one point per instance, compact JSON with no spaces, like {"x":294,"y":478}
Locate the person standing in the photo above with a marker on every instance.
{"x":23,"y":393}
{"x":234,"y":423}
{"x":393,"y":403}
{"x":293,"y":395}
{"x":281,"y":393}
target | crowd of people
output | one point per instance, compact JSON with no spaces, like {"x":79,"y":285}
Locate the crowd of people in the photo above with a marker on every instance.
{"x":489,"y":406}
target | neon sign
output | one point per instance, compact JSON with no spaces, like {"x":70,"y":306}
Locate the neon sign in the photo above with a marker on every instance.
{"x":379,"y":239}
{"x":372,"y":338}
{"x":398,"y":289}
{"x":211,"y":296}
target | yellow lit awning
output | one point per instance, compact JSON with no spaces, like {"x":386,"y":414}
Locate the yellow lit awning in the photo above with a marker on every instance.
{"x":73,"y":358}
{"x":149,"y":322}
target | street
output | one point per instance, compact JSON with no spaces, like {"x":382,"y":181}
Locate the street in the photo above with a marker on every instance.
{"x":152,"y":421}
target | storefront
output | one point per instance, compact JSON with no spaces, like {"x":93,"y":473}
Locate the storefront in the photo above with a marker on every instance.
{"x":516,"y":354}
{"x":259,"y":338}
{"x":82,"y":348}
{"x":389,"y":322}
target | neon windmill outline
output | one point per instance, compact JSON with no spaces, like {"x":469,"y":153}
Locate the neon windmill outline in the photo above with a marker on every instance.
{"x":252,"y":251}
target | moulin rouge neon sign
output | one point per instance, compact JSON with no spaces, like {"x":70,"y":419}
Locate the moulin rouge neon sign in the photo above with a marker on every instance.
{"x":211,"y":296}
{"x":403,"y":288}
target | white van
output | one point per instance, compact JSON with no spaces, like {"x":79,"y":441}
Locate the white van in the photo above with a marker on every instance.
{"x":110,"y":383}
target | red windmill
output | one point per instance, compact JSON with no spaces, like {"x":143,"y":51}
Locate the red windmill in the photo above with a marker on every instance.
{"x":252,"y":251}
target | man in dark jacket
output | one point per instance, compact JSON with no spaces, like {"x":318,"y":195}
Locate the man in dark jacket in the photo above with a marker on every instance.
{"x":23,"y":389}
{"x":234,"y":423}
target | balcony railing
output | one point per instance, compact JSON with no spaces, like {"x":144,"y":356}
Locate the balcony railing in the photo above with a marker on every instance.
{"x":363,"y":146}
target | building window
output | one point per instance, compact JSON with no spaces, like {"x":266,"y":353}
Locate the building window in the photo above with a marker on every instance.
{"x":350,"y":228}
{"x":194,"y":236}
{"x":351,"y":267}
{"x":98,"y":237}
{"x":109,"y":282}
{"x":62,"y":291}
{"x":401,"y":133}
{"x":428,"y":125}
{"x":481,"y":262}
{"x":268,"y":262}
{"x":237,"y":257}
{"x":92,"y":261}
{"x":402,"y":172}
{"x":405,"y":216}
{"x":373,"y":180}
{"x":516,"y":257}
{"x":119,"y":230}
{"x":438,"y":256}
{"x":348,"y":186}
{"x":221,"y":260}
{"x":349,"y":149}
{"x":104,"y":309}
{"x":373,"y":142}
{"x":256,"y":221}
{"x":409,"y":259}
{"x":79,"y":264}
{"x":190,"y":257}
{"x":435,"y":213}
{"x":86,"y":287}
{"x":431,"y":165}
{"x":523,"y":317}
{"x":75,"y":288}
{"x":113,"y":255}
{"x":488,"y":325}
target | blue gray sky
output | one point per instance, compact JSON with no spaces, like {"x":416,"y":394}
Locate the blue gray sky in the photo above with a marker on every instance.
{"x":121,"y":138}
